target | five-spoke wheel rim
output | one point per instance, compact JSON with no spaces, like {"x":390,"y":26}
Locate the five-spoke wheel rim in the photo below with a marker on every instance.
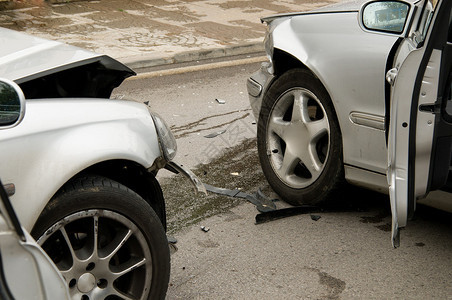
{"x":101,"y":254}
{"x":298,"y":138}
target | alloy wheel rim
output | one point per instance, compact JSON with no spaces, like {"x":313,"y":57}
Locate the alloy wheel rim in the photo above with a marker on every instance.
{"x":101,"y":255}
{"x":298,"y":138}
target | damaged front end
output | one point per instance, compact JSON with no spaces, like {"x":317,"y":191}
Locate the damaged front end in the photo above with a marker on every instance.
{"x":168,"y":148}
{"x":50,"y":69}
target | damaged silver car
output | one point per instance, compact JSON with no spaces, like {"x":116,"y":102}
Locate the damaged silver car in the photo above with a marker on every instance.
{"x":339,"y":83}
{"x":81,"y":168}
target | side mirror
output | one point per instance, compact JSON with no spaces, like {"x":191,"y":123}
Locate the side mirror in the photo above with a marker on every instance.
{"x":12,"y":104}
{"x":385,"y":16}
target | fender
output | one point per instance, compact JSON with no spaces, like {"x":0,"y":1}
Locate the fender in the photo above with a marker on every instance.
{"x":344,"y":56}
{"x":40,"y":155}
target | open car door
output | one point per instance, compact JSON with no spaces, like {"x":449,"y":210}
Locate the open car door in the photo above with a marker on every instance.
{"x":420,"y":131}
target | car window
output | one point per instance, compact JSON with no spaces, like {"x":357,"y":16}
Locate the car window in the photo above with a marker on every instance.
{"x":425,"y":20}
{"x":9,"y":104}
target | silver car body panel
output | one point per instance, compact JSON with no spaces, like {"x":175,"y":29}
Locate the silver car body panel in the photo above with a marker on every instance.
{"x":341,"y":7}
{"x":411,"y":126}
{"x":398,"y":141}
{"x":366,"y":179}
{"x":58,"y":139}
{"x":50,"y":69}
{"x":319,"y":41}
{"x":28,"y":271}
{"x":24,"y":56}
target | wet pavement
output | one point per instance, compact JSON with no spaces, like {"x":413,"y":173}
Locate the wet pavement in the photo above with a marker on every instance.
{"x":152,"y":32}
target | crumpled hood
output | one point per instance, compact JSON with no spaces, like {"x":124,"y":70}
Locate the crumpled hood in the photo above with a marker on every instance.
{"x":26,"y":59}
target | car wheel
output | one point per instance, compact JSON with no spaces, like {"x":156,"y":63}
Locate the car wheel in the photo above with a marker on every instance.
{"x":299,"y":140}
{"x":107,"y":242}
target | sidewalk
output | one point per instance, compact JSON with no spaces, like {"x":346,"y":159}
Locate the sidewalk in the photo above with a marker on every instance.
{"x":143,"y":33}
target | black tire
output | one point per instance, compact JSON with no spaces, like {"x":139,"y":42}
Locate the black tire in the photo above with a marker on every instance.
{"x":300,"y":150}
{"x":129,"y":233}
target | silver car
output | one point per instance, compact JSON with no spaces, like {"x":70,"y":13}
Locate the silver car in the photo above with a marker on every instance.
{"x":81,"y":168}
{"x":326,"y":102}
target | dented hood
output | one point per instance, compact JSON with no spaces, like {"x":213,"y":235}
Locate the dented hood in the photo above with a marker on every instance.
{"x":25,"y":58}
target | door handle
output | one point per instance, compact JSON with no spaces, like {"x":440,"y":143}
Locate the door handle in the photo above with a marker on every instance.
{"x":391,"y":76}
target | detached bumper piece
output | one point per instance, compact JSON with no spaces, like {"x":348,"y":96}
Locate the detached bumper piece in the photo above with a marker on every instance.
{"x":263,"y":204}
{"x":176,"y":168}
{"x":266,"y":206}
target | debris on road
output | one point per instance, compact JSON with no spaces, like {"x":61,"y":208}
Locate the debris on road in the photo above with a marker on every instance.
{"x":176,"y":169}
{"x":171,"y":239}
{"x":220,"y":101}
{"x":205,"y":229}
{"x":286,"y":212}
{"x":267,"y":207}
{"x":262,"y":203}
{"x":212,"y":135}
{"x":235,"y":174}
{"x":315,"y":217}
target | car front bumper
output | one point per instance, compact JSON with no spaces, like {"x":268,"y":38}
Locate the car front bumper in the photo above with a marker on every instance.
{"x":180,"y":169}
{"x":257,"y":85}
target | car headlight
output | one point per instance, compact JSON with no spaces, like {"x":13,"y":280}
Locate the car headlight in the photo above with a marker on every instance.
{"x":167,"y":142}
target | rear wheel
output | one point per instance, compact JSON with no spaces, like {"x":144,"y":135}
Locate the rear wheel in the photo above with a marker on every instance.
{"x":106,"y":241}
{"x":299,"y":140}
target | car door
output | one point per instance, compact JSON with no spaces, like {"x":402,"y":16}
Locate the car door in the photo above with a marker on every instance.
{"x":420,"y":131}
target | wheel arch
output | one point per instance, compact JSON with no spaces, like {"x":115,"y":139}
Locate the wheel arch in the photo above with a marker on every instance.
{"x":133,"y":176}
{"x":284,"y":61}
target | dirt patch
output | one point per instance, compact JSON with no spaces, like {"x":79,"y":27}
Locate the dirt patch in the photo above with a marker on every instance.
{"x":184,"y":208}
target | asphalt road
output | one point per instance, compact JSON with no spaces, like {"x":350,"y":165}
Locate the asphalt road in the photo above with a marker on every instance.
{"x":344,"y":254}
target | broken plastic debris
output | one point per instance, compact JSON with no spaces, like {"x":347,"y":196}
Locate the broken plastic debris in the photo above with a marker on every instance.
{"x":315,"y":217}
{"x":171,"y":239}
{"x":212,"y":135}
{"x":172,"y":244}
{"x":220,"y":101}
{"x":235,"y":174}
{"x":262,"y":203}
{"x":177,"y":168}
{"x":264,"y":217}
{"x":205,"y":229}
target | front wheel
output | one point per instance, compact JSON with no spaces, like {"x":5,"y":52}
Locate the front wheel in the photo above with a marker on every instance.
{"x":106,"y":241}
{"x":299,"y":139}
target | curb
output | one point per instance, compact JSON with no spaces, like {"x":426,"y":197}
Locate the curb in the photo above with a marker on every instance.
{"x":189,"y":56}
